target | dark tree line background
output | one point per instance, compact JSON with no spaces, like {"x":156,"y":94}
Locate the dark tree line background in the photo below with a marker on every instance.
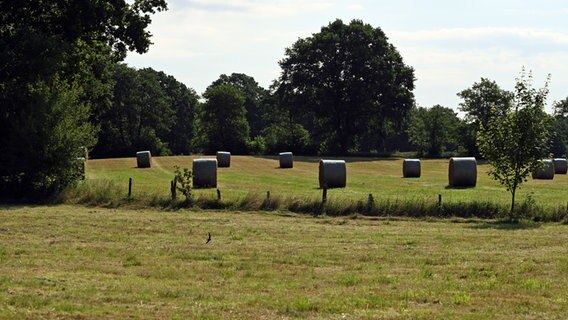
{"x":343,"y":90}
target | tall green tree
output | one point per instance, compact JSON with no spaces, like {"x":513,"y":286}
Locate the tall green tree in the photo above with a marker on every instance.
{"x":484,"y":100}
{"x":515,"y":139}
{"x":46,"y":49}
{"x":433,"y":130}
{"x":139,"y":118}
{"x":255,"y":99}
{"x":559,"y":136}
{"x":346,"y":78}
{"x":222,"y":122}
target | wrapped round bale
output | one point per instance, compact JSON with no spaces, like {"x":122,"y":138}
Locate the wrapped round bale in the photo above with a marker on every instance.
{"x":286,"y":160}
{"x":204,"y":173}
{"x":411,"y":168}
{"x":332,"y":174}
{"x":560,"y":166}
{"x":223,"y":159}
{"x":143,"y":159}
{"x":462,"y":172}
{"x":546,"y":172}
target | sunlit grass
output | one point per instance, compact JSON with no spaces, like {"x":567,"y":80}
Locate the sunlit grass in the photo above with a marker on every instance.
{"x":380,"y":177}
{"x":77,"y":262}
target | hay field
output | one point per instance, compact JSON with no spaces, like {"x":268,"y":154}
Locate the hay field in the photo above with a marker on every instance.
{"x":73,"y":262}
{"x":380,"y":177}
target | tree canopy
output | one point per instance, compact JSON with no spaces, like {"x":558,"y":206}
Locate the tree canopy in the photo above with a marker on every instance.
{"x":346,"y":78}
{"x":53,"y":69}
{"x":433,"y":130}
{"x":515,"y":139}
{"x":222,"y":120}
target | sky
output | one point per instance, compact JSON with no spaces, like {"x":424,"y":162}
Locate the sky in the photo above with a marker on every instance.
{"x":451,"y":44}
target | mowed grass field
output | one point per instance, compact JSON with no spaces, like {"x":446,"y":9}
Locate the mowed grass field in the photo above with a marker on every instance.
{"x":249,"y":175}
{"x":74,"y":262}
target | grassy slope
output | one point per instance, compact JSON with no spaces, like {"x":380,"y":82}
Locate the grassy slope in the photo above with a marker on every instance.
{"x":76,"y":262}
{"x":382,"y":178}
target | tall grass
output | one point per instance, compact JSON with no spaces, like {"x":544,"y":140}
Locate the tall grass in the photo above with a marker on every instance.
{"x":106,"y":193}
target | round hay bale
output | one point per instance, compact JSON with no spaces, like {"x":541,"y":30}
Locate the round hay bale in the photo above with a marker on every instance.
{"x":143,"y":159}
{"x":462,"y":172}
{"x":560,"y":166}
{"x":411,"y":168}
{"x":332,"y":174}
{"x":545,"y":172}
{"x":223,"y":159}
{"x":286,"y":160}
{"x":204,"y":173}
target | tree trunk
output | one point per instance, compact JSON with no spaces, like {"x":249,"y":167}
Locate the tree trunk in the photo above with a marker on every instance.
{"x":511,"y":214}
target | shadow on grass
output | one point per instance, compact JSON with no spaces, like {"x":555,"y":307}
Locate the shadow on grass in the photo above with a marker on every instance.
{"x":316,"y":159}
{"x":448,"y":187}
{"x":506,"y":225}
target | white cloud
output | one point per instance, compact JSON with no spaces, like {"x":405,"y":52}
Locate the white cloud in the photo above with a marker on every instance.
{"x":477,"y":33}
{"x":273,"y":8}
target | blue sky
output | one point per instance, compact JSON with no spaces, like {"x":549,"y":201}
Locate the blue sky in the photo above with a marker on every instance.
{"x":450,"y":44}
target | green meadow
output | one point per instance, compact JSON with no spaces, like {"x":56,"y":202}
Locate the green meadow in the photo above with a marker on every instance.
{"x":249,"y":175}
{"x":75,"y":262}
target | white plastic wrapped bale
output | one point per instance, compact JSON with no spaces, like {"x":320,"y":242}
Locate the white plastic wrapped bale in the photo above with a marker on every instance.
{"x":223,"y":159}
{"x":286,"y":160}
{"x":332,"y":174}
{"x":462,"y":172}
{"x":143,"y":159}
{"x":411,"y":168}
{"x":545,"y":172}
{"x":560,"y":166}
{"x":204,"y":173}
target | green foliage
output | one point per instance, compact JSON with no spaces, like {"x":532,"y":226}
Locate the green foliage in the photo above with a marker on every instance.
{"x":515,"y":139}
{"x":345,"y":82}
{"x":257,"y":112}
{"x":221,"y":120}
{"x":54,"y":59}
{"x":45,"y":135}
{"x":433,"y":130}
{"x":484,"y":100}
{"x":140,"y":115}
{"x":559,"y":139}
{"x":287,"y":136}
{"x":183,"y":179}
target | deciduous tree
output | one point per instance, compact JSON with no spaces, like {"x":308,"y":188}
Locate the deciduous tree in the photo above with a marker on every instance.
{"x":347,"y":78}
{"x":515,"y":139}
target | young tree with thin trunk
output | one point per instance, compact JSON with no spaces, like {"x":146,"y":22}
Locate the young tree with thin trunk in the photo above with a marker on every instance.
{"x":515,"y":140}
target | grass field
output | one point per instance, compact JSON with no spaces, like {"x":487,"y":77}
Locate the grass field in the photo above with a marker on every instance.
{"x":380,"y":177}
{"x":73,"y":262}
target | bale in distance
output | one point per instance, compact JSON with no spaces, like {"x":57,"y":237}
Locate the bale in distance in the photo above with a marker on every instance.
{"x":332,"y":174}
{"x":462,"y":172}
{"x":286,"y":160}
{"x":223,"y":159}
{"x":143,"y":159}
{"x":411,"y":168}
{"x":560,"y":166}
{"x":546,"y":172}
{"x":204,"y":173}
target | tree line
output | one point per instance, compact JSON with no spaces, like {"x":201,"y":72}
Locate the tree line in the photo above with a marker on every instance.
{"x":343,"y":90}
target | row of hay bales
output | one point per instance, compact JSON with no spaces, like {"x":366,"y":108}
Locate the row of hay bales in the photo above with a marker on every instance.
{"x":462,"y":171}
{"x":550,"y":167}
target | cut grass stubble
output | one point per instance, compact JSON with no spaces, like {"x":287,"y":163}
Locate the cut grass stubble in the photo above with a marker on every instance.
{"x":374,"y":187}
{"x":77,"y":262}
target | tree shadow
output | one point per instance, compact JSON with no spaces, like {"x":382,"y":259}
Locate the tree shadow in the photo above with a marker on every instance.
{"x":316,"y":159}
{"x":507,"y":225}
{"x":448,"y":187}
